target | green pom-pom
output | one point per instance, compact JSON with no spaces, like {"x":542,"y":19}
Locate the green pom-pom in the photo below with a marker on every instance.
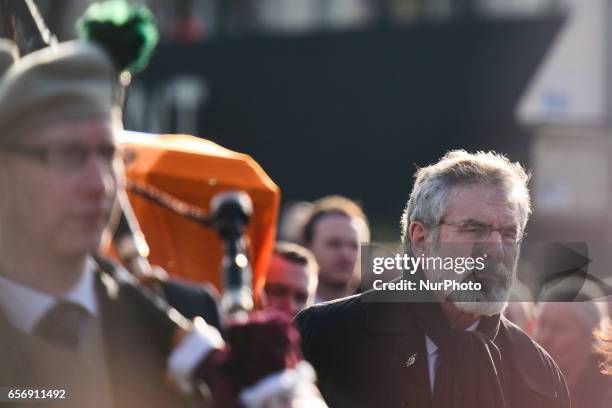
{"x":127,"y":33}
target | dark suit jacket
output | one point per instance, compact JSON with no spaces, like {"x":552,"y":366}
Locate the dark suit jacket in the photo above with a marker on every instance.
{"x":370,"y":354}
{"x":193,"y":300}
{"x":137,"y":344}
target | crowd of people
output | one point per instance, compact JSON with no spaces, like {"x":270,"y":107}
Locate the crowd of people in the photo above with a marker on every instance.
{"x":73,"y":321}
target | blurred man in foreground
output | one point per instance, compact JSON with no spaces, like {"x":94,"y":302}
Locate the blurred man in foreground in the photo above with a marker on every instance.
{"x":333,"y":233}
{"x":291,"y":280}
{"x":64,"y":324}
{"x":453,"y":350}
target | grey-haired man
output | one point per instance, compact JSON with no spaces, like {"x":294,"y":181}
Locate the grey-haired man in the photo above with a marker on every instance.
{"x":456,"y":351}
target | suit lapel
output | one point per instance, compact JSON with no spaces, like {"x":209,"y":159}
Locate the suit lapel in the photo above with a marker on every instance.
{"x":414,"y":356}
{"x":408,"y":356}
{"x":16,"y":367}
{"x":118,"y":342}
{"x":533,"y":372}
{"x":135,"y":349}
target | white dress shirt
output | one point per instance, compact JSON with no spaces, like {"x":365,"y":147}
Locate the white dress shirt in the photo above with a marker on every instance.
{"x":432,"y":355}
{"x":24,"y":306}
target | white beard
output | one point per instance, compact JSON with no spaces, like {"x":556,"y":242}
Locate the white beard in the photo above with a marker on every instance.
{"x":491,"y":300}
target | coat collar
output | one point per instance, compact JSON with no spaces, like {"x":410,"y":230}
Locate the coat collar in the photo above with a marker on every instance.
{"x":389,"y":317}
{"x":531,"y":365}
{"x":407,"y":344}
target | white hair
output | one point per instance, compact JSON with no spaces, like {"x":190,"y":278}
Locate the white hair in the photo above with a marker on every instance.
{"x":433,"y":183}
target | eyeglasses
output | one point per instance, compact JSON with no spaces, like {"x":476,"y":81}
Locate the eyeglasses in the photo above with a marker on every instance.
{"x":477,"y":231}
{"x":65,"y":157}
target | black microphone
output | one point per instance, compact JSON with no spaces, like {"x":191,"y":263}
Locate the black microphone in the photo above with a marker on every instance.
{"x":231,"y":212}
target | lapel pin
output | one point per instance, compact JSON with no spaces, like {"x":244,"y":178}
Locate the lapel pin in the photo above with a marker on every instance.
{"x":411,"y":360}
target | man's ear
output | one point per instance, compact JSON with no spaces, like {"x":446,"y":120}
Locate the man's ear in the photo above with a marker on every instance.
{"x":418,"y":233}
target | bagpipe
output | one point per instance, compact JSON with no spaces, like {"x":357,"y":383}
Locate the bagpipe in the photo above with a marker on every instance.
{"x":203,"y":209}
{"x":213,"y":242}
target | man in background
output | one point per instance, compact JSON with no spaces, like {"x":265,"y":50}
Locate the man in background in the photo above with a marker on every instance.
{"x":567,"y":331}
{"x":333,"y":233}
{"x":291,"y":280}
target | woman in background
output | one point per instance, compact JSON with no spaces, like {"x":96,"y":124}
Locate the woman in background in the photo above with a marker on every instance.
{"x":566,"y":330}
